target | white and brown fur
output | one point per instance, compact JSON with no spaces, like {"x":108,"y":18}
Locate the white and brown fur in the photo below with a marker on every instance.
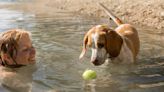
{"x":121,"y":45}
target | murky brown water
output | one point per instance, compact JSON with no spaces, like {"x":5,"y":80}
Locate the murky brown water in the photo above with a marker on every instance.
{"x":58,"y":42}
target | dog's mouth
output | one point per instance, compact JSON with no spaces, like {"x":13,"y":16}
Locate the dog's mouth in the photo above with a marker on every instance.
{"x":98,"y":56}
{"x":97,"y":62}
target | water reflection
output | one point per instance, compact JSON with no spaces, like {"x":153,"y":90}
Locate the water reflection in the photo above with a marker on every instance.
{"x":17,"y":79}
{"x":14,"y":19}
{"x":58,"y":42}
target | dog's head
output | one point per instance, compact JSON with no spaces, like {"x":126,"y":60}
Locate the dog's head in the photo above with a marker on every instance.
{"x":103,"y":41}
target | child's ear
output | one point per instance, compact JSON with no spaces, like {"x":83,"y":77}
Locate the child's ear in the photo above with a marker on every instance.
{"x":5,"y":57}
{"x":1,"y":61}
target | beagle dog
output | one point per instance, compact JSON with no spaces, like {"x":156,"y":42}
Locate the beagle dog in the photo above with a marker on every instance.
{"x":121,"y":45}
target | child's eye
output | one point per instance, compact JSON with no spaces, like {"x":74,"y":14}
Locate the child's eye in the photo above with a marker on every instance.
{"x":25,"y":49}
{"x":28,"y":49}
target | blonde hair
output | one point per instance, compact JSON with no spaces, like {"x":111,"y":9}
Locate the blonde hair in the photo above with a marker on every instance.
{"x":9,"y":42}
{"x":16,"y":34}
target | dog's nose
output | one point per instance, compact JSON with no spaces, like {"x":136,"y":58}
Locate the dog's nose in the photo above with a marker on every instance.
{"x":96,"y":62}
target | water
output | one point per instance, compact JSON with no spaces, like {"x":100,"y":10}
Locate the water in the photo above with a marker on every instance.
{"x":58,"y":41}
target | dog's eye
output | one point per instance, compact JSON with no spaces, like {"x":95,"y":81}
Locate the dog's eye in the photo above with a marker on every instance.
{"x":100,"y":45}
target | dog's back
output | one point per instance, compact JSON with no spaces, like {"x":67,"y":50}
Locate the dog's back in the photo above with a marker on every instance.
{"x":130,"y":34}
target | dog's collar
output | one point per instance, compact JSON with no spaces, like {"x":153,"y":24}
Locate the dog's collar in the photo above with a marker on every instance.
{"x":111,"y":57}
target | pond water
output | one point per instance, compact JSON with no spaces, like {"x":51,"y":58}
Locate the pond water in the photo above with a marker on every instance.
{"x":58,"y":41}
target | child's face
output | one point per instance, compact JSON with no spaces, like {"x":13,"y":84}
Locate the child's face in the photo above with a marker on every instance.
{"x":25,"y":52}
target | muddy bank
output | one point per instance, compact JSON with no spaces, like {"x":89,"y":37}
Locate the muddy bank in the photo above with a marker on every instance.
{"x":142,"y":12}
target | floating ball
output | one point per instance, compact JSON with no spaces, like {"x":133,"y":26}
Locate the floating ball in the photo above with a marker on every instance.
{"x":89,"y":74}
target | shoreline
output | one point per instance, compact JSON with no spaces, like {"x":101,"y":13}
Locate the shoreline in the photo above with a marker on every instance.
{"x":143,"y":13}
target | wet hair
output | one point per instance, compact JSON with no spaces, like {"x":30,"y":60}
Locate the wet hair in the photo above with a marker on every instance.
{"x":9,"y":45}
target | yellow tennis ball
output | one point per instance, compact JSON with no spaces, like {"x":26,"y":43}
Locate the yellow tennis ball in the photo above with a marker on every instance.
{"x":89,"y":74}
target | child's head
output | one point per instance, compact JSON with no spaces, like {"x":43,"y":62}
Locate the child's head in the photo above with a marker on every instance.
{"x":16,"y":48}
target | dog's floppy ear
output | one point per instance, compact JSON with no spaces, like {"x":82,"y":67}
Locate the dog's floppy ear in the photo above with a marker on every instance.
{"x":114,"y":43}
{"x":85,"y":41}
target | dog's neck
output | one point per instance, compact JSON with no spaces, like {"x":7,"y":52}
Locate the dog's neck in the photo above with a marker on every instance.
{"x":124,"y":56}
{"x":114,"y":44}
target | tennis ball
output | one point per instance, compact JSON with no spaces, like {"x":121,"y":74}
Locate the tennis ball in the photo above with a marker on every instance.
{"x":89,"y":74}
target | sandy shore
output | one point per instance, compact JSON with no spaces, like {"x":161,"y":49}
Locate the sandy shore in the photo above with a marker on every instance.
{"x":142,"y":12}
